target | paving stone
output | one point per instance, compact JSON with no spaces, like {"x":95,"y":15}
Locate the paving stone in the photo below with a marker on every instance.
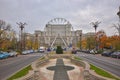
{"x":60,"y":70}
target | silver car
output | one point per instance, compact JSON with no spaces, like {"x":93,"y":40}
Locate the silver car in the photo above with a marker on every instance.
{"x":13,"y":54}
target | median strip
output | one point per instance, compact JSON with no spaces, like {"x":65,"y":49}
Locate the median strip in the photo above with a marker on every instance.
{"x":102,"y":72}
{"x":21,"y":73}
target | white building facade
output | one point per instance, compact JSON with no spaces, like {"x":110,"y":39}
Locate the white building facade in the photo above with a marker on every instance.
{"x":58,"y":31}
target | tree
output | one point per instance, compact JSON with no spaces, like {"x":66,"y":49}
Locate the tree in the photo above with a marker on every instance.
{"x":4,"y":27}
{"x":115,"y":41}
{"x":59,"y":50}
{"x":84,"y":44}
{"x":29,"y":44}
{"x":101,"y":39}
{"x":90,"y":42}
{"x":13,"y":40}
{"x":7,"y":36}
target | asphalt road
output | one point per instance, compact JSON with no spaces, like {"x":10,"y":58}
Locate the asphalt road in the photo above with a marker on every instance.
{"x":109,"y":64}
{"x":11,"y":65}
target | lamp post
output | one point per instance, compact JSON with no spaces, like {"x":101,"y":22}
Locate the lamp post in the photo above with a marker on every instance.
{"x":21,"y":26}
{"x":80,"y":41}
{"x":95,"y":25}
{"x":118,"y":13}
{"x":36,"y":40}
{"x":118,"y":28}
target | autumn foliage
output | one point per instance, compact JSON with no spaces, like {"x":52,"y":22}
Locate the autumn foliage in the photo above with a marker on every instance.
{"x":102,"y":41}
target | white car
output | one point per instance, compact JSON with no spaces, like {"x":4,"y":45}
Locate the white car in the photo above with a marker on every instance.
{"x":93,"y":51}
{"x":25,"y":52}
{"x":41,"y":50}
{"x":13,"y":53}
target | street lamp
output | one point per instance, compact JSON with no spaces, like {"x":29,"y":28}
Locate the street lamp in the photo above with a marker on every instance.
{"x":118,"y":13}
{"x":95,"y":25}
{"x":36,"y":40}
{"x":80,"y":41}
{"x":21,"y":26}
{"x":118,"y":28}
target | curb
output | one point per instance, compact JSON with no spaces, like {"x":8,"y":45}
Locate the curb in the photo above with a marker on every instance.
{"x":17,"y":72}
{"x":34,"y":65}
{"x":20,"y":70}
{"x":94,"y":73}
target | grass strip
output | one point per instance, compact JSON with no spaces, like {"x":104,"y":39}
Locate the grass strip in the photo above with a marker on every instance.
{"x":102,"y":72}
{"x":77,"y":58}
{"x":42,"y":58}
{"x":21,"y":73}
{"x":52,"y":52}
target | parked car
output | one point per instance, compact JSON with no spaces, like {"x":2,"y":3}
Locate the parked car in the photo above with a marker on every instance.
{"x":2,"y":56}
{"x":74,"y":51}
{"x":85,"y":51}
{"x":25,"y":52}
{"x":30,"y":51}
{"x":13,"y":53}
{"x":6,"y":54}
{"x":93,"y":51}
{"x":116,"y":54}
{"x":48,"y":49}
{"x":107,"y":53}
{"x":42,"y":49}
{"x":64,"y":49}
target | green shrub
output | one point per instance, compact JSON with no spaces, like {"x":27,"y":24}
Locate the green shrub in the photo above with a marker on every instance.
{"x":59,"y":50}
{"x":19,"y":51}
{"x":99,"y":51}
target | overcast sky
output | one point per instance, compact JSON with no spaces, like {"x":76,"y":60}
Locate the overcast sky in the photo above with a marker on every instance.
{"x":80,"y":13}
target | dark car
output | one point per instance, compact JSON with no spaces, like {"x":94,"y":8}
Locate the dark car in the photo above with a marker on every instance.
{"x":74,"y":51}
{"x":116,"y":54}
{"x":64,"y":49}
{"x":107,"y":53}
{"x":48,"y":49}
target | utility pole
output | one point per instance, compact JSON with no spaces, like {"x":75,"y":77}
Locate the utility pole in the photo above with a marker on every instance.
{"x":21,"y":26}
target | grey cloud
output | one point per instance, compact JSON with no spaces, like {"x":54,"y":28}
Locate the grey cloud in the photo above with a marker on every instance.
{"x":36,"y":13}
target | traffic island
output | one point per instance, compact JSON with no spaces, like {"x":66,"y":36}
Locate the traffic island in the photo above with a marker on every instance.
{"x":61,"y":67}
